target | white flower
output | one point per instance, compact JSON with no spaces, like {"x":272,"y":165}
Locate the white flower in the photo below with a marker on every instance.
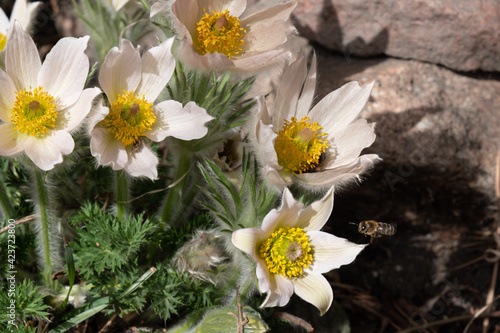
{"x":213,"y":36}
{"x":41,"y":104}
{"x":132,"y":84}
{"x":291,"y":253}
{"x":315,"y":148}
{"x":23,"y":12}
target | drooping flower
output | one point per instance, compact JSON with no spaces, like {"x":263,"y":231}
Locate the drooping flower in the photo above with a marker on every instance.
{"x":41,"y":103}
{"x":291,"y":253}
{"x":214,"y":36}
{"x":22,"y":12}
{"x":132,"y":84}
{"x":315,"y":148}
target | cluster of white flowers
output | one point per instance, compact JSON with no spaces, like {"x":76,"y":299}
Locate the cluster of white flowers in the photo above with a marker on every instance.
{"x":316,"y":147}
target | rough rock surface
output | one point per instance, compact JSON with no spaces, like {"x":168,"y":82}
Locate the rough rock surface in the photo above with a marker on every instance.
{"x":460,"y":34}
{"x":438,"y":133}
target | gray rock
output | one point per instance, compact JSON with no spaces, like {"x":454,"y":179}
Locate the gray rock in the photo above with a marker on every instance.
{"x":462,"y":35}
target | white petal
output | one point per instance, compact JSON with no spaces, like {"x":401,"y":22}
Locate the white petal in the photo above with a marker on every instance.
{"x":331,"y":252}
{"x":289,"y":210}
{"x":263,"y":276}
{"x":315,"y":216}
{"x":340,"y":107}
{"x":158,"y":7}
{"x":278,"y":12}
{"x":121,"y":70}
{"x":246,"y":240}
{"x":316,"y":290}
{"x":11,"y":142}
{"x":269,"y":223}
{"x":185,"y":123}
{"x":24,"y":13}
{"x":308,"y":89}
{"x":252,"y":62}
{"x":71,"y":117}
{"x":208,"y":61}
{"x":274,"y":178}
{"x":64,"y":71}
{"x":280,"y":292}
{"x":4,"y":22}
{"x":158,"y":64}
{"x":289,"y":91}
{"x":22,"y":61}
{"x":97,"y":113}
{"x":235,"y":7}
{"x":107,"y":150}
{"x":186,"y":13}
{"x":142,"y":163}
{"x":48,"y":151}
{"x":337,"y":175}
{"x":265,"y":37}
{"x":7,"y":97}
{"x":351,"y":140}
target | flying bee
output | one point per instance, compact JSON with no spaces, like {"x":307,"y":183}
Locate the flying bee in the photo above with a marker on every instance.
{"x":376,"y":229}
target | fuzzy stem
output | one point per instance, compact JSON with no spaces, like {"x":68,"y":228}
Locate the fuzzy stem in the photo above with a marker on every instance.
{"x":174,"y":203}
{"x":121,"y":194}
{"x":43,"y":205}
{"x":8,"y":211}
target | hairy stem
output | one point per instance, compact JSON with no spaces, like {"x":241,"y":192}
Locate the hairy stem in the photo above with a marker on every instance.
{"x":8,"y":211}
{"x":43,"y":206}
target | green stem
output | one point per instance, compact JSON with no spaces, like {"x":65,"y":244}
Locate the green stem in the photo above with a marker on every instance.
{"x":43,"y":205}
{"x":8,"y":211}
{"x":121,"y":194}
{"x":174,"y":203}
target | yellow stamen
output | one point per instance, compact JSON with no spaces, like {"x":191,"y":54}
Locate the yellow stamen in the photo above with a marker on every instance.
{"x":219,"y":32}
{"x":129,"y":118}
{"x":34,"y":112}
{"x":299,"y":145}
{"x":287,"y":252}
{"x":3,"y":41}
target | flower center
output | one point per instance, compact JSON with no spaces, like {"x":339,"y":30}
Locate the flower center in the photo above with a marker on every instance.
{"x":3,"y":41}
{"x":287,"y":252}
{"x":129,"y":118}
{"x":34,"y":112}
{"x":219,"y":32}
{"x":299,"y":145}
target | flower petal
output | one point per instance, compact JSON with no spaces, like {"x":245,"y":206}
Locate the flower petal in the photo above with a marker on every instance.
{"x":338,"y":175}
{"x":340,"y":107}
{"x":265,"y":37}
{"x":314,"y":289}
{"x":314,"y":216}
{"x":246,"y":240}
{"x":107,"y":150}
{"x":11,"y":142}
{"x":64,"y":71}
{"x":278,"y":12}
{"x":280,"y":292}
{"x":208,"y":61}
{"x":7,"y":97}
{"x":235,"y":7}
{"x":24,"y":13}
{"x":22,"y":61}
{"x":118,"y":4}
{"x":71,"y":117}
{"x":331,"y":252}
{"x":351,"y":140}
{"x":142,"y":163}
{"x":186,"y":13}
{"x":121,"y":70}
{"x":289,"y":210}
{"x":97,"y":113}
{"x":307,"y":94}
{"x":185,"y":123}
{"x":48,"y":151}
{"x":158,"y":64}
{"x":289,"y":91}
